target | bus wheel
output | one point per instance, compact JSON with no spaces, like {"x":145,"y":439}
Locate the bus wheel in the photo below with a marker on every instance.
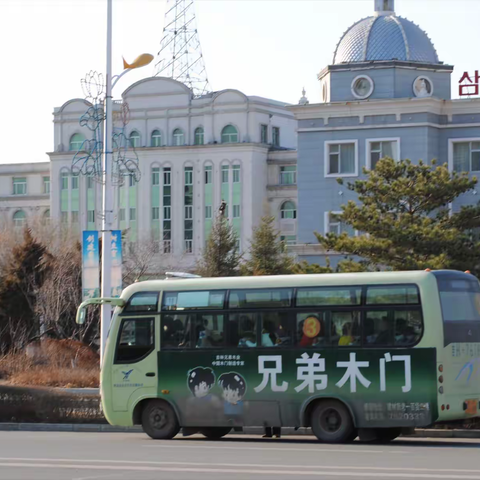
{"x":385,"y":435}
{"x":331,"y":422}
{"x":215,"y":433}
{"x":159,"y":420}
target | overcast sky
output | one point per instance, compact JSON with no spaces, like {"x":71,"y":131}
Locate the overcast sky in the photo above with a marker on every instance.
{"x":270,"y":48}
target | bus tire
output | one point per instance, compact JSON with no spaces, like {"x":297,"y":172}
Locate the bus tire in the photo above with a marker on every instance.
{"x":215,"y":433}
{"x":159,"y":420}
{"x":331,"y":422}
{"x":386,"y":435}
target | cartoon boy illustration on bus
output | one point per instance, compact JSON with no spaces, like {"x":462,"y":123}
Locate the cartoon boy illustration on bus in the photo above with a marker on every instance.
{"x":234,"y":388}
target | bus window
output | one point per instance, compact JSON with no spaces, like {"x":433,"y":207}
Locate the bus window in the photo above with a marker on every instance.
{"x":209,"y":331}
{"x":142,"y":302}
{"x":261,"y":298}
{"x":242,"y":330}
{"x":276,"y":329}
{"x":312,"y":329}
{"x":408,"y":327}
{"x":206,"y":300}
{"x":136,"y":340}
{"x":393,"y":295}
{"x":319,"y":296}
{"x":176,"y":331}
{"x":345,"y":328}
{"x":378,"y":328}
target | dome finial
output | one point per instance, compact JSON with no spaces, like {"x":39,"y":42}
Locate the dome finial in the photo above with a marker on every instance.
{"x":384,"y":7}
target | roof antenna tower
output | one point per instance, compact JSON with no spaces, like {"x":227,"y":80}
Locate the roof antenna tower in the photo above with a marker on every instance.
{"x":180,"y":56}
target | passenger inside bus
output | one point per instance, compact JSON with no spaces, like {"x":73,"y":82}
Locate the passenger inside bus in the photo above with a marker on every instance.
{"x":385,"y":337}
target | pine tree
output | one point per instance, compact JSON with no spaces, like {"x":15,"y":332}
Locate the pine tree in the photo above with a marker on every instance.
{"x":220,"y":257}
{"x":404,"y":209}
{"x":267,"y":254}
{"x":23,"y":277}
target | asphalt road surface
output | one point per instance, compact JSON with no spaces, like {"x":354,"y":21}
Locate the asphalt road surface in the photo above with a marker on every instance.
{"x":126,"y":456}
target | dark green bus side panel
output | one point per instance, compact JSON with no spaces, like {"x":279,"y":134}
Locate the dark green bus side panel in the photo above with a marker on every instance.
{"x":270,"y":386}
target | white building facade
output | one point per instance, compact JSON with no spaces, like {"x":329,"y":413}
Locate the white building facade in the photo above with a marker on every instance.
{"x":193,"y":154}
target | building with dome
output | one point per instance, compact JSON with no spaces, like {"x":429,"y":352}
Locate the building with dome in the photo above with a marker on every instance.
{"x":386,"y":93}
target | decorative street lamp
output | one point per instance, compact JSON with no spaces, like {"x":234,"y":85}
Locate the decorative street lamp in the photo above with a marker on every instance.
{"x":108,"y":213}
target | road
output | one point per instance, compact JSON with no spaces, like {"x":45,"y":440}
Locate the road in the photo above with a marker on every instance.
{"x":126,"y":456}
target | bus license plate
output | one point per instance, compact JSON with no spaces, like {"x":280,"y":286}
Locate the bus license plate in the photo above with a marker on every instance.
{"x":471,"y":407}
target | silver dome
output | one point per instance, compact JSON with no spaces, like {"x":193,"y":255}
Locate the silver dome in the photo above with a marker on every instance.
{"x":385,"y":37}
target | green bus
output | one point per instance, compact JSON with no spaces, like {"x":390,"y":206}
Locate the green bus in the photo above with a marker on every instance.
{"x":368,"y":354}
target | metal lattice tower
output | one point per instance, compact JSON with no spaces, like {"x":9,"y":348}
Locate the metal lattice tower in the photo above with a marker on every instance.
{"x":180,"y":56}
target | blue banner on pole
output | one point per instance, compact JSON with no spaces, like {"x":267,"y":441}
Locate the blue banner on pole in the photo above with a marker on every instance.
{"x":116,"y":249}
{"x":90,"y":265}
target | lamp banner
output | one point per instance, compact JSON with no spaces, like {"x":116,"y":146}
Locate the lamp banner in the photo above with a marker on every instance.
{"x":116,"y":249}
{"x":90,"y":265}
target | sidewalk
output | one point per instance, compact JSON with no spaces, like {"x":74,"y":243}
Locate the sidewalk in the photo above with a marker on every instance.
{"x":286,"y":431}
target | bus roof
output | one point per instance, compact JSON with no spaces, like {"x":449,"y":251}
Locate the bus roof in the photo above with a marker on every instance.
{"x":278,"y":281}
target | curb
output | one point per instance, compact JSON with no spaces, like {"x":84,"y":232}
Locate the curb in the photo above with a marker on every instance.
{"x":286,"y":431}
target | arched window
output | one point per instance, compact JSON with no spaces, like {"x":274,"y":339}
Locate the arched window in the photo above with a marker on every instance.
{"x":134,"y":139}
{"x":156,"y":139}
{"x":288,"y":210}
{"x":19,"y":219}
{"x":229,"y":134}
{"x":199,"y":136}
{"x":178,"y":137}
{"x":46,"y":217}
{"x":76,"y":141}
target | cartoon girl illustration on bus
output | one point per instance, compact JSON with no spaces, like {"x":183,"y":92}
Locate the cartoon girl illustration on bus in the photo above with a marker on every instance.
{"x":200,"y":381}
{"x":234,"y":388}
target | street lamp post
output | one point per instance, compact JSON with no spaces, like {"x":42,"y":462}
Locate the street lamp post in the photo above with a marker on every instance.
{"x":108,"y":213}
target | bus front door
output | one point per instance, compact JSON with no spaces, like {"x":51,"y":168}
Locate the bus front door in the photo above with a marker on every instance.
{"x":135,"y":369}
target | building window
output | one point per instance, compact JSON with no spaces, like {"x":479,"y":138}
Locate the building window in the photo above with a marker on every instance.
{"x":333,"y":224}
{"x":288,"y":175}
{"x":155,"y":176}
{"x":466,"y":156}
{"x":74,"y":182}
{"x":276,"y":136}
{"x":198,"y":136}
{"x":288,"y":210}
{"x":76,"y":141}
{"x":131,"y":180}
{"x":178,"y":137}
{"x":156,"y":140}
{"x":208,"y":175}
{"x":341,"y":159}
{"x":188,"y":212}
{"x":133,"y":214}
{"x":155,"y":213}
{"x":19,"y":186}
{"x":122,"y":214}
{"x":378,"y":149}
{"x":237,"y":245}
{"x":89,"y":182}
{"x":134,"y":139}
{"x":263,"y":133}
{"x":64,"y":218}
{"x":236,"y":211}
{"x":46,"y":217}
{"x":75,"y":217}
{"x":208,"y":212}
{"x":189,"y":176}
{"x":64,"y":181}
{"x":225,"y":169}
{"x":46,"y":185}
{"x":167,"y":213}
{"x":19,"y":219}
{"x":166,"y":176}
{"x":229,"y":134}
{"x":236,"y":173}
{"x":288,"y":239}
{"x":91,"y":216}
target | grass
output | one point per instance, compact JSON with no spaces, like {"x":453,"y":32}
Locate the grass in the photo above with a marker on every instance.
{"x":52,"y":363}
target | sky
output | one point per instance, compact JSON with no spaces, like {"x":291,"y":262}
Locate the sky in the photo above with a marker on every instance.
{"x":270,"y":48}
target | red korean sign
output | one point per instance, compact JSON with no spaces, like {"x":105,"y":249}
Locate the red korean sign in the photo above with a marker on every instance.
{"x":469,"y":84}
